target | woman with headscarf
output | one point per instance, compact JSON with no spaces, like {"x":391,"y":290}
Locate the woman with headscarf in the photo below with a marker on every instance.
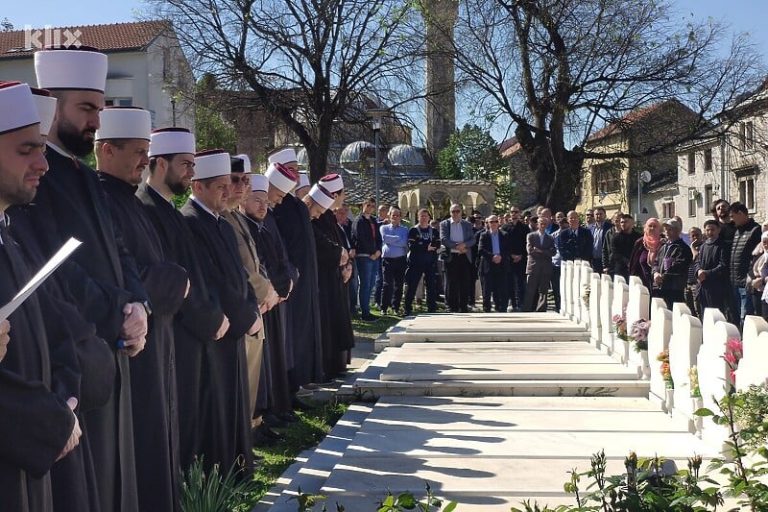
{"x":645,"y":251}
{"x":756,"y":276}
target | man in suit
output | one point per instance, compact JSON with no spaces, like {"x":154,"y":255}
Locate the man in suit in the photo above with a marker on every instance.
{"x":575,"y":243}
{"x":541,"y":249}
{"x":600,"y":228}
{"x":518,"y":231}
{"x":458,"y":238}
{"x":495,"y":256}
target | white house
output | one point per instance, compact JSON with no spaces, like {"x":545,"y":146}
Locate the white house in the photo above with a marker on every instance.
{"x":147,"y":68}
{"x":728,"y":161}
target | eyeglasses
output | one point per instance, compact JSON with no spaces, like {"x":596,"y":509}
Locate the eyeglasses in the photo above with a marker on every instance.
{"x":245,"y":180}
{"x":493,"y":222}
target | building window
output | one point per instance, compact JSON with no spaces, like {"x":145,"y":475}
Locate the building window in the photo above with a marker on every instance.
{"x":692,"y":196}
{"x":118,"y":102}
{"x":668,"y":209}
{"x":708,"y":192}
{"x":749,"y":135}
{"x":707,"y":160}
{"x":607,"y":178}
{"x":747,"y":192}
{"x":691,"y":163}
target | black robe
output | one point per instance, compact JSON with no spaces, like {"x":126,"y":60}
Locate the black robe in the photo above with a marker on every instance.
{"x":101,"y":276}
{"x":713,"y":258}
{"x":153,"y":374}
{"x":83,"y":366}
{"x":303,"y":305}
{"x":194,"y":326}
{"x":335,"y":317}
{"x":226,"y":412}
{"x":275,"y":360}
{"x":35,"y":423}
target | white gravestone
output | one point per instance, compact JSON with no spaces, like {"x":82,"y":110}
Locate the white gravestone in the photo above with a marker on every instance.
{"x":752,"y":367}
{"x":595,"y":290}
{"x":585,"y":280}
{"x":618,"y":308}
{"x":684,"y":347}
{"x":658,"y":341}
{"x":563,"y":291}
{"x":606,"y":324}
{"x":576,"y":291}
{"x":565,"y":297}
{"x":714,"y":373}
{"x":638,"y":307}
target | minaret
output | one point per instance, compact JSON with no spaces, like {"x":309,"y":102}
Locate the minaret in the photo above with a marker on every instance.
{"x":440,"y":20}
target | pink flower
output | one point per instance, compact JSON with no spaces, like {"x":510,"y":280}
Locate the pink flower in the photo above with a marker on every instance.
{"x":733,"y":376}
{"x":730,"y":358}
{"x":735,"y":345}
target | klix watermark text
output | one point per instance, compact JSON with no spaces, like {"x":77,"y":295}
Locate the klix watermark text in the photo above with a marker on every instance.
{"x":36,"y":38}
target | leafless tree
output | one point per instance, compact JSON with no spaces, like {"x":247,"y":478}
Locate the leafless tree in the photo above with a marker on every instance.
{"x":309,"y":63}
{"x":557,"y":70}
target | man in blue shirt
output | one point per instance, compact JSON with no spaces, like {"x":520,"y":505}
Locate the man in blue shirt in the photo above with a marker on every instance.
{"x":395,"y":247}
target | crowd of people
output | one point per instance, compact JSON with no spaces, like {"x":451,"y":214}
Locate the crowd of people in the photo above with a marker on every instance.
{"x":171,"y":334}
{"x":175,"y":334}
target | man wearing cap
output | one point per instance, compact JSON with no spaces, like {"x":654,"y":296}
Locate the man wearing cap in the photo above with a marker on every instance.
{"x":335,"y":321}
{"x":226,"y":434}
{"x":279,"y":400}
{"x":200,"y":320}
{"x":102,"y":276}
{"x":293,"y":223}
{"x":670,"y":269}
{"x":266,"y":297}
{"x":37,"y":426}
{"x":122,"y":144}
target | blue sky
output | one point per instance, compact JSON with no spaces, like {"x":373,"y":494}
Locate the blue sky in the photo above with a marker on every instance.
{"x":741,"y":15}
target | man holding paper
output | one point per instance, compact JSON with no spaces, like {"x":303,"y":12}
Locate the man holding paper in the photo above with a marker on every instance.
{"x":37,"y":427}
{"x":101,"y":276}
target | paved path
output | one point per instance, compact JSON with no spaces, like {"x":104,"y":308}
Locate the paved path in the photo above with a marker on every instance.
{"x":487,"y":423}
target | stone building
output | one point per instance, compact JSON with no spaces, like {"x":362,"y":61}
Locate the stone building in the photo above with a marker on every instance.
{"x":728,"y":161}
{"x":612,"y":182}
{"x":146,"y":67}
{"x":437,"y":196}
{"x":520,"y":173}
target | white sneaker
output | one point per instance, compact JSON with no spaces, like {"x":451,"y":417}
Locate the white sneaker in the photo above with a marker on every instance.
{"x":510,"y":309}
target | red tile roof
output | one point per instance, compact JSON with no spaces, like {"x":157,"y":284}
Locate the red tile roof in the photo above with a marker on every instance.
{"x":509,"y":147}
{"x":627,"y":121}
{"x":108,"y":38}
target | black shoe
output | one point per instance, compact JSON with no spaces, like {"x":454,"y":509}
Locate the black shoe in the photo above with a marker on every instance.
{"x":288,"y":417}
{"x":300,"y":405}
{"x":272,"y":421}
{"x":268,"y":433}
{"x":259,"y":438}
{"x":368,"y":318}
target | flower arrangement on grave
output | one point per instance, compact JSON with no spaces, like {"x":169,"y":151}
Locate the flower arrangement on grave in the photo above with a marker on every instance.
{"x":666,"y":372}
{"x":693,"y":378}
{"x":734,"y":351}
{"x":620,"y":326}
{"x":639,"y":334}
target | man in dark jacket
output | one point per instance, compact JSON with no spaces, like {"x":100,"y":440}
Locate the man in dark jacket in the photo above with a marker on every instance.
{"x":575,"y":243}
{"x":599,"y":230}
{"x":670,"y":270}
{"x":711,"y":270}
{"x":366,"y":241}
{"x":607,"y":238}
{"x":622,"y":244}
{"x":495,"y":256}
{"x":745,"y":238}
{"x":423,"y":243}
{"x":518,"y":231}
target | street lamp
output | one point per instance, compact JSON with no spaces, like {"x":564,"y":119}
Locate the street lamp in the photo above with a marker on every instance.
{"x":376,"y":114}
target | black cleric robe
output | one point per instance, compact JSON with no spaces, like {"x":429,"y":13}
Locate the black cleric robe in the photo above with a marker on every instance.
{"x":335,"y":317}
{"x":275,"y":353}
{"x":303,"y":305}
{"x":194,"y":325}
{"x":35,"y":422}
{"x":153,"y":371}
{"x":83,"y":367}
{"x":101,"y":277}
{"x":226,"y":428}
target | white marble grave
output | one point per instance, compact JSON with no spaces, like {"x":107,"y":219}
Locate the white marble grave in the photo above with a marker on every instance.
{"x":752,"y":367}
{"x":606,"y":324}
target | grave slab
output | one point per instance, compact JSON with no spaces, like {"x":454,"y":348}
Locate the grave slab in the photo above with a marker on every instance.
{"x":449,"y":370}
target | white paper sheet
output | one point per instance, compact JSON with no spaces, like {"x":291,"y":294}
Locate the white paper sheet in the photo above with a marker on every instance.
{"x":56,"y":260}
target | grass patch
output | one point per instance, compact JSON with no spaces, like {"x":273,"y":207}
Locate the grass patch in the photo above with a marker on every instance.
{"x":384,"y":322}
{"x":313,"y":426}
